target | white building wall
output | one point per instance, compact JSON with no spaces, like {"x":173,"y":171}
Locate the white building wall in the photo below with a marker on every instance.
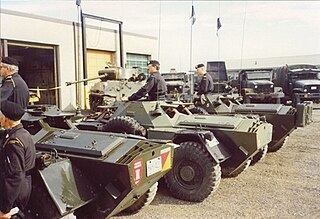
{"x":141,"y":45}
{"x":38,"y":29}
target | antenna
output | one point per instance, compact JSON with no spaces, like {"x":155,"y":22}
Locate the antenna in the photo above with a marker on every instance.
{"x":242,"y":43}
{"x":159,"y":32}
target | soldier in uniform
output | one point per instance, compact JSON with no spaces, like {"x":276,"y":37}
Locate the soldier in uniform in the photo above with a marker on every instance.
{"x":17,"y":158}
{"x":206,"y":83}
{"x":13,"y":87}
{"x":155,"y":86}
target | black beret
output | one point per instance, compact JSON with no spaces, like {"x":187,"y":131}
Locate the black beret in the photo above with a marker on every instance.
{"x":199,"y":66}
{"x":12,"y":110}
{"x":153,"y":62}
{"x":10,"y":61}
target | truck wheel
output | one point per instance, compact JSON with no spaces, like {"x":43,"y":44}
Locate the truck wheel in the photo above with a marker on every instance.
{"x":295,"y":99}
{"x":124,"y":124}
{"x":144,"y":200}
{"x":247,"y":99}
{"x":198,"y":110}
{"x":194,"y":175}
{"x":228,"y":171}
{"x":277,"y":146}
{"x":260,"y":155}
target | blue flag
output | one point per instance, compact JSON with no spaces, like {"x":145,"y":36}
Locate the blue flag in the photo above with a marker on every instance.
{"x":218,"y":25}
{"x":193,"y":16}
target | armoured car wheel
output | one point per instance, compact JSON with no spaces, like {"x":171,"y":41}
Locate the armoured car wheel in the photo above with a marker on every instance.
{"x":194,"y":175}
{"x":144,"y":200}
{"x":198,"y":110}
{"x":124,"y":124}
{"x":229,"y":171}
{"x":277,"y":146}
{"x":260,"y":155}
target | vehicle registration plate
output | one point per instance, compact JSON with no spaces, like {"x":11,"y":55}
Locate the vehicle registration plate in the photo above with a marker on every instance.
{"x":313,"y":87}
{"x":154,"y":166}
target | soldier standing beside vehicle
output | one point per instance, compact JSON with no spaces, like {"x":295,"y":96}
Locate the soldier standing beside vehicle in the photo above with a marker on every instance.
{"x":13,"y":87}
{"x":155,"y":86}
{"x":206,"y":83}
{"x":17,"y":158}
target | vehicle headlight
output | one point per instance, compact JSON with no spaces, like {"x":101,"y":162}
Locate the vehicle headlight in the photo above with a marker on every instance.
{"x":271,"y":86}
{"x":209,"y":136}
{"x":305,"y":90}
{"x":255,"y":86}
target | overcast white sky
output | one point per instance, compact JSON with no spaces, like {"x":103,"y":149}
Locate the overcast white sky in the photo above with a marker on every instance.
{"x":250,"y":29}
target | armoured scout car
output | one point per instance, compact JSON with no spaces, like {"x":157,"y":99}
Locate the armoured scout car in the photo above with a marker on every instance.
{"x":92,"y":174}
{"x":206,"y":142}
{"x":283,"y":118}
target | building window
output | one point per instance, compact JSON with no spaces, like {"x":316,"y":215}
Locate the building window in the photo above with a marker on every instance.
{"x":138,"y":61}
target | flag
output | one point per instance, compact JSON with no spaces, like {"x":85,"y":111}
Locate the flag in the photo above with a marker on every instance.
{"x":193,"y":16}
{"x":218,"y":25}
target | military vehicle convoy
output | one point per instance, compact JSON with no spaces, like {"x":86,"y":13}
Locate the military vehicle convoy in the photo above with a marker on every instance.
{"x":283,"y":118}
{"x":256,"y":86}
{"x":207,"y":143}
{"x":91,"y":174}
{"x":299,"y":82}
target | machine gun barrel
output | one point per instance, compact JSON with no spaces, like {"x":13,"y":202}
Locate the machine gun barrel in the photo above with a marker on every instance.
{"x":68,"y":83}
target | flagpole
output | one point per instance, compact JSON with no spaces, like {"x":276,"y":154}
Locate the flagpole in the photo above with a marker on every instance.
{"x":191,"y":48}
{"x":218,"y":35}
{"x":192,"y":22}
{"x":243,"y":26}
{"x":159,"y":33}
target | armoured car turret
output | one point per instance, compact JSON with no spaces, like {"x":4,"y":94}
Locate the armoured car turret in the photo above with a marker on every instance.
{"x":115,"y":83}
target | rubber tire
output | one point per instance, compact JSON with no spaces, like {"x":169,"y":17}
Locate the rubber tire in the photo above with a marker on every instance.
{"x":203,"y":184}
{"x":246,"y":99}
{"x":198,"y":110}
{"x":226,"y":172}
{"x":279,"y":146}
{"x":144,"y":200}
{"x":260,"y":155}
{"x":124,"y":124}
{"x":295,"y":99}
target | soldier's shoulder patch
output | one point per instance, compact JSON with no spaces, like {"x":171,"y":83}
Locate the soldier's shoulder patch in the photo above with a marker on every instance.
{"x":9,"y":79}
{"x":15,"y":141}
